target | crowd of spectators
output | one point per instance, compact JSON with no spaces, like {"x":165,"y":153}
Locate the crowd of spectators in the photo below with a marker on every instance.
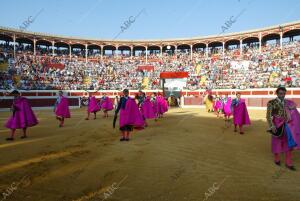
{"x":272,"y":67}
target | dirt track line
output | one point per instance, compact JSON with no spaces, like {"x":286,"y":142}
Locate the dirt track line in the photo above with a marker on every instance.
{"x":23,"y":142}
{"x":19,"y":164}
{"x":93,"y":194}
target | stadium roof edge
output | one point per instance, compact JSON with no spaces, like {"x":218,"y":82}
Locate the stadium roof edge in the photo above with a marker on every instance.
{"x":18,"y":31}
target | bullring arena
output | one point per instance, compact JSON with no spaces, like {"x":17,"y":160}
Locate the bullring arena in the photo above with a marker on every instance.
{"x":179,"y":157}
{"x":189,"y":154}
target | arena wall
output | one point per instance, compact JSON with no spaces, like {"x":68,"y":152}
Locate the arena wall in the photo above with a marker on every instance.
{"x":255,"y":98}
{"x":43,"y":99}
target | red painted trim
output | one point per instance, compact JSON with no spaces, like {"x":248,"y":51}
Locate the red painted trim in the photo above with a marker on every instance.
{"x":259,"y":92}
{"x":165,"y":75}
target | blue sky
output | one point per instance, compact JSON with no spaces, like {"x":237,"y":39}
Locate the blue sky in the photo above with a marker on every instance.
{"x":157,"y":19}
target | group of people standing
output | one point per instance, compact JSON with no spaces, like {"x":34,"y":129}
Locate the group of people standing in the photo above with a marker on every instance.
{"x":134,"y":112}
{"x":95,"y":106}
{"x":62,"y":111}
{"x":282,"y":116}
{"x":229,"y":107}
{"x":23,"y":116}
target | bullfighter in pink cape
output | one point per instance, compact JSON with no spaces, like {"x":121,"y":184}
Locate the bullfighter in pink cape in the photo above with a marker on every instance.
{"x":130,"y":116}
{"x":227,"y":107}
{"x":240,"y":113}
{"x":284,"y":122}
{"x":162,"y":106}
{"x":218,"y":105}
{"x":294,"y":123}
{"x":61,"y":108}
{"x":146,"y":108}
{"x":22,"y":116}
{"x":93,"y":107}
{"x":154,"y":104}
{"x":106,"y":105}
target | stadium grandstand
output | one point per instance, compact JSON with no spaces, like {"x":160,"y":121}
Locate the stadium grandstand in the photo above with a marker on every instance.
{"x":186,"y":116}
{"x":261,"y":58}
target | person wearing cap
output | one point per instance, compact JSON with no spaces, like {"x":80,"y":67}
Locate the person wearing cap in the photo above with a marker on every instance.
{"x":284,"y":123}
{"x":22,"y":116}
{"x":240,"y":113}
{"x":92,"y":107}
{"x":61,"y":108}
{"x":130,"y":116}
{"x":106,"y":105}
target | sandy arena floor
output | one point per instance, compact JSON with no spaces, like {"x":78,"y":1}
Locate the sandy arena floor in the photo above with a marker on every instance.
{"x":187,"y":156}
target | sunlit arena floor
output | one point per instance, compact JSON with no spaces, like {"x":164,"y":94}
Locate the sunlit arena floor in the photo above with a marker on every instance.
{"x":189,"y":155}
